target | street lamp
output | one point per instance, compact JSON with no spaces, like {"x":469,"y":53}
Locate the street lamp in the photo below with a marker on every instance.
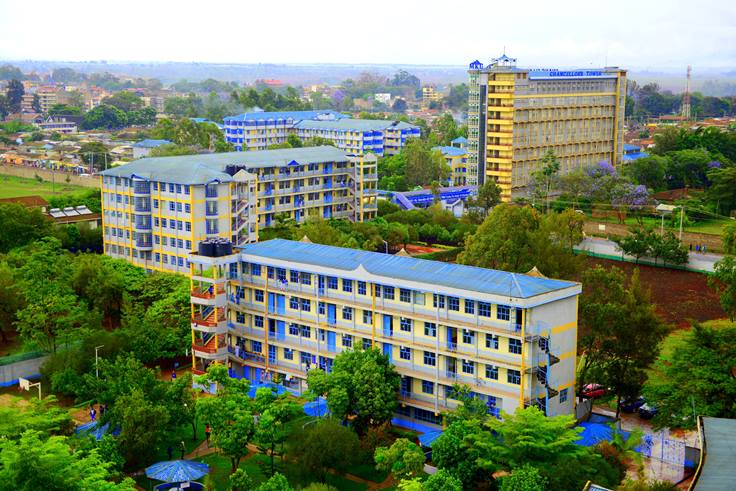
{"x":97,"y":370}
{"x":386,"y":244}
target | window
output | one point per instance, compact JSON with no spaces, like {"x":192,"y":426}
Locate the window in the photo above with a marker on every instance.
{"x":281,"y":274}
{"x":288,"y":354}
{"x":306,"y":278}
{"x":258,"y":320}
{"x":405,"y":353}
{"x":468,"y":367}
{"x":332,"y":283}
{"x":306,"y":304}
{"x":484,"y":309}
{"x":255,"y":269}
{"x":271,"y":272}
{"x":438,"y":301}
{"x":294,"y":276}
{"x":388,"y":292}
{"x":563,"y":396}
{"x":172,"y":206}
{"x":187,"y":208}
{"x":258,"y":294}
{"x":503,"y":312}
{"x":186,"y":189}
{"x":405,"y":324}
{"x":255,"y":346}
{"x":347,"y":285}
{"x":427,"y":387}
{"x":306,"y":332}
{"x":347,"y":313}
{"x":178,"y":206}
{"x":155,"y":203}
{"x":513,"y":377}
{"x":321,"y":309}
{"x":453,"y":303}
{"x":367,"y":343}
{"x":468,"y":336}
{"x":367,"y":317}
{"x":361,"y":287}
{"x":294,"y":303}
{"x":405,"y":295}
{"x":293,"y":329}
{"x":430,"y":329}
{"x":491,"y":372}
{"x":305,"y":358}
{"x":515,"y":346}
{"x":163,"y":223}
{"x":428,"y":416}
{"x":491,"y":341}
{"x":347,"y":340}
{"x":430,"y":359}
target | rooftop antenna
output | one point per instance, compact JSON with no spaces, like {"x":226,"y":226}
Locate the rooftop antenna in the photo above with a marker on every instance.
{"x":686,"y":97}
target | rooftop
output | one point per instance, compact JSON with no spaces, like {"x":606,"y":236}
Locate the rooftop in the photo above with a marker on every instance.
{"x":204,"y":168}
{"x":294,"y":115}
{"x":716,"y":471}
{"x":451,"y":151}
{"x":354,"y":124}
{"x":457,"y":276}
{"x":150,"y":143}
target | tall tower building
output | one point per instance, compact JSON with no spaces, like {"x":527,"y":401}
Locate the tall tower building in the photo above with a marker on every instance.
{"x":516,"y":114}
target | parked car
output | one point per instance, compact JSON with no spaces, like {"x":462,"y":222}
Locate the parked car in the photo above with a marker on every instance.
{"x":631,"y":405}
{"x":647,"y":412}
{"x":591,"y":391}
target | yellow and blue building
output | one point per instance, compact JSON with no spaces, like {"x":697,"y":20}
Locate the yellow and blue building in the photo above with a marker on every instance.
{"x":515,"y":115}
{"x":277,"y":309}
{"x":156,"y":210}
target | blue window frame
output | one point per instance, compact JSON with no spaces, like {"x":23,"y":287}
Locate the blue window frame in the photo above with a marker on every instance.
{"x":361,"y":287}
{"x":513,"y":377}
{"x":491,"y":341}
{"x":430,"y":359}
{"x":321,"y":309}
{"x":258,"y":295}
{"x":178,"y":206}
{"x":427,"y":387}
{"x":405,"y":353}
{"x":468,"y":336}
{"x":468,"y":367}
{"x":294,"y":329}
{"x":258,"y":320}
{"x":563,"y":395}
{"x":405,"y":295}
{"x":294,"y":303}
{"x":515,"y":346}
{"x":347,"y":285}
{"x":288,"y":354}
{"x":367,"y":317}
{"x":405,"y":324}
{"x":484,"y":309}
{"x":305,"y":358}
{"x":503,"y":312}
{"x":347,"y":340}
{"x":306,"y":304}
{"x":306,"y":278}
{"x":294,"y":276}
{"x":388,"y":292}
{"x":492,"y":372}
{"x":453,"y":303}
{"x":188,"y":226}
{"x":347,"y":313}
{"x":172,"y":206}
{"x":255,"y":346}
{"x":430,"y":329}
{"x":332,"y":283}
{"x":186,"y":189}
{"x":306,"y":332}
{"x":469,"y":306}
{"x":438,"y":301}
{"x":171,"y":187}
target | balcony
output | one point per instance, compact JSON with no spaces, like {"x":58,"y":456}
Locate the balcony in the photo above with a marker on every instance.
{"x":142,"y":205}
{"x":211,"y":211}
{"x":141,"y":187}
{"x":143,"y":242}
{"x":208,"y":293}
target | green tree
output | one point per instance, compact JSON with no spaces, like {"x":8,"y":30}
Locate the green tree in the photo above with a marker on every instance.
{"x":489,"y":195}
{"x":10,"y":301}
{"x":294,"y":141}
{"x":729,"y":238}
{"x":125,"y":101}
{"x":524,"y":478}
{"x":240,"y":481}
{"x":21,"y":226}
{"x":638,"y":242}
{"x":723,"y":280}
{"x":403,"y":459}
{"x":325,"y":445}
{"x":36,"y":103}
{"x":272,"y":430}
{"x":64,"y":110}
{"x":451,"y":453}
{"x":104,"y":117}
{"x":43,"y":415}
{"x":442,"y":481}
{"x":423,"y":165}
{"x":546,"y":175}
{"x":36,"y":462}
{"x":648,"y":171}
{"x":697,"y":379}
{"x":141,"y":424}
{"x":181,"y":403}
{"x":277,"y":482}
{"x":10,"y":72}
{"x":723,"y":190}
{"x":362,"y":385}
{"x":14,"y":92}
{"x":621,"y":331}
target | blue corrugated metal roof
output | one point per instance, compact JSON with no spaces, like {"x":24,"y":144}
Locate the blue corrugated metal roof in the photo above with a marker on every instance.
{"x":634,"y":156}
{"x":451,"y":151}
{"x":630,"y":148}
{"x":295,"y":115}
{"x":458,"y":276}
{"x":460,"y":139}
{"x":150,"y":143}
{"x":354,"y":125}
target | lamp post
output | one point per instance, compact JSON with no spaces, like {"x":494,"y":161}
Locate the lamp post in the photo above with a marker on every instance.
{"x":97,"y":370}
{"x":386,"y":244}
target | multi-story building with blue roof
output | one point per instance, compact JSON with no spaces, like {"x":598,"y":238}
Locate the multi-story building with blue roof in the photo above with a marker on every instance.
{"x":280,"y":308}
{"x":259,"y":130}
{"x":456,"y":159}
{"x":155,"y":211}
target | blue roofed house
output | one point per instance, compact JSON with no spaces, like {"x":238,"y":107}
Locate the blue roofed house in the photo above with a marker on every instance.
{"x":456,"y":158}
{"x":143,"y":148}
{"x":633,"y":152}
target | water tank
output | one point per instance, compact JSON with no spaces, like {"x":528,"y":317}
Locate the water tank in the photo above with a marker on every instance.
{"x":206,"y":248}
{"x":223,"y":248}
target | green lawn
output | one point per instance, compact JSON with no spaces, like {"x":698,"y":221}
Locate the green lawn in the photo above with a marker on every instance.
{"x":13,"y":187}
{"x":710,"y":226}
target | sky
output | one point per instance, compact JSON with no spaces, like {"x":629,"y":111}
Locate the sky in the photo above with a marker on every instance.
{"x":636,"y":34}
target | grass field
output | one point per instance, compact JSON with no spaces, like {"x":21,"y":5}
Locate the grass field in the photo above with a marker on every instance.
{"x":13,"y":187}
{"x":710,"y":226}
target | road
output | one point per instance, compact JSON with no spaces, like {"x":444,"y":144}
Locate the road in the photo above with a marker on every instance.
{"x":697,"y":262}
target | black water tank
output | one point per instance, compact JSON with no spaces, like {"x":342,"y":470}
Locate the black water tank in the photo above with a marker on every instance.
{"x":224,"y":248}
{"x":206,"y":248}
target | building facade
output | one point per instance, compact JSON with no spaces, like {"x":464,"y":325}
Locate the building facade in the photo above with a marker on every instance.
{"x":259,"y":130}
{"x":516,"y":114}
{"x":156,"y":210}
{"x":279,"y":308}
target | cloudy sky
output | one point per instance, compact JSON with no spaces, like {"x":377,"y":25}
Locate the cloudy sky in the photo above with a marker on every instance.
{"x":640,"y":34}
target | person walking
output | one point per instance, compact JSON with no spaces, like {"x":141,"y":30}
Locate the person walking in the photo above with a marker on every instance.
{"x":691,"y":247}
{"x":705,"y":248}
{"x":207,"y":435}
{"x":92,"y":412}
{"x":183,"y":449}
{"x":173,"y":375}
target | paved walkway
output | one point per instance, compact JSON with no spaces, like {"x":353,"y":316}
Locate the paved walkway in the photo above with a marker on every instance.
{"x":697,"y":262}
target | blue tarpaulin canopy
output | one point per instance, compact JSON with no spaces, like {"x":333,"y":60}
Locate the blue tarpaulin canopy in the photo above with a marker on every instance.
{"x":93,"y":428}
{"x":317,"y":407}
{"x":427,"y":439}
{"x":276,"y":388}
{"x":177,"y":470}
{"x":594,"y":433}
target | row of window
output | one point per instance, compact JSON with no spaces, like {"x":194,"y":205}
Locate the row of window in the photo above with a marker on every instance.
{"x":180,"y":261}
{"x":126,"y":182}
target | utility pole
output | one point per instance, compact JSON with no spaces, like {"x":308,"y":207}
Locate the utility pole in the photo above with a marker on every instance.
{"x":682,"y":214}
{"x":97,"y":370}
